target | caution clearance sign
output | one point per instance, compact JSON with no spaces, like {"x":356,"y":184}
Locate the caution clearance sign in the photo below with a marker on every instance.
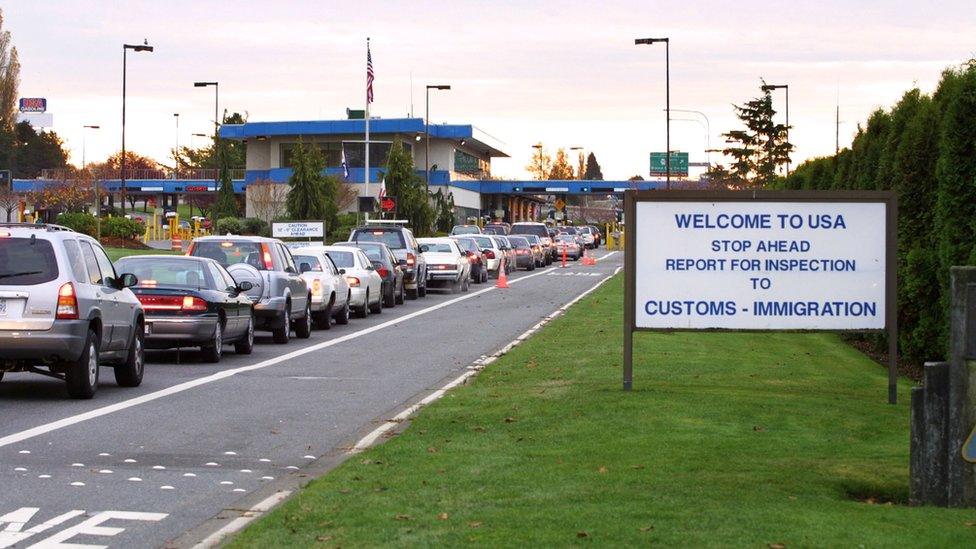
{"x":763,"y":260}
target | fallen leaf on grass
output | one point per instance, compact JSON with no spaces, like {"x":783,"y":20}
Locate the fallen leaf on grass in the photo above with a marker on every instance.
{"x":431,"y":450}
{"x":582,"y":534}
{"x":638,"y":466}
{"x":442,"y":516}
{"x":344,"y":491}
{"x":777,"y":546}
{"x":403,"y":517}
{"x":323,"y":538}
{"x":510,"y":420}
{"x":758,"y":428}
{"x":646,"y":528}
{"x":480,"y":429}
{"x":970,"y":523}
{"x":475,"y":524}
{"x":603,"y":470}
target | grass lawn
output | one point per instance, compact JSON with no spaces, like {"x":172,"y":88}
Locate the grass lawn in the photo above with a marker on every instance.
{"x":728,"y":439}
{"x":117,"y":253}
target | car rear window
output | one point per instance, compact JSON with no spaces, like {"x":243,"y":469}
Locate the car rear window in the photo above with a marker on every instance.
{"x":313,"y":262}
{"x":484,"y":242}
{"x":438,"y":247}
{"x":538,"y":230}
{"x":518,"y":242}
{"x":26,"y":261}
{"x":175,"y":272}
{"x":465,"y":229}
{"x":231,"y":252}
{"x":343,"y":260}
{"x":393,"y":239}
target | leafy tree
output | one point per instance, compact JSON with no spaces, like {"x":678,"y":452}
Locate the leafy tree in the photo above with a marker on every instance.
{"x":444,"y":205}
{"x":204,"y":157}
{"x":9,"y":79}
{"x":561,"y":168}
{"x":540,"y":164}
{"x":402,"y":181}
{"x":759,"y":148}
{"x":593,"y":170}
{"x":226,"y":205}
{"x":28,"y":152}
{"x":111,"y":167}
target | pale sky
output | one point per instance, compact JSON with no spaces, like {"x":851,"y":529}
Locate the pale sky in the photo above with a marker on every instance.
{"x":564,"y":73}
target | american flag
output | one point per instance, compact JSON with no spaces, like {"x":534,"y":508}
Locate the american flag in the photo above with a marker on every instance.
{"x":345,"y":167}
{"x":382,"y":194}
{"x":369,"y":75}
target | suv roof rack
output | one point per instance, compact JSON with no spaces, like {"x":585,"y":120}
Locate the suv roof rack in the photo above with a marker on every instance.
{"x":46,"y":226}
{"x":382,"y":222}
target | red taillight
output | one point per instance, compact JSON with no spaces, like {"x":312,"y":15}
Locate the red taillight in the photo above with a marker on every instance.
{"x":172,"y":303}
{"x":266,"y":256}
{"x":383,"y":272}
{"x":490,"y":254}
{"x":353,"y":281}
{"x":520,"y":251}
{"x":411,"y":260}
{"x":316,"y":287}
{"x":67,"y":303}
{"x":189,"y":250}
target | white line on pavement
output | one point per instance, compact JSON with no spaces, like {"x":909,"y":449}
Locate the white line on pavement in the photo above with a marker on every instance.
{"x":473,"y":370}
{"x":179,"y":388}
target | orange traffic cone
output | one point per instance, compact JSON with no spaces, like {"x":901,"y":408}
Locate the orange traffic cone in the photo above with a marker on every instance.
{"x":502,"y":277}
{"x":587,"y":260}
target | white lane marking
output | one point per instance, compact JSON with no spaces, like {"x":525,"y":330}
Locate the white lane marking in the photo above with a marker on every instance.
{"x":77,"y":464}
{"x":105,"y":471}
{"x":186,"y":386}
{"x":246,"y":471}
{"x":43,"y":476}
{"x":166,"y":487}
{"x":24,"y":452}
{"x":240,"y":522}
{"x":20,"y":469}
{"x":608,"y":254}
{"x":94,"y":527}
{"x":78,"y":484}
{"x":230,"y":453}
{"x":478,"y":365}
{"x":104,"y":454}
{"x":158,"y":468}
{"x":189,"y":475}
{"x":134,"y":479}
{"x":16,"y":521}
{"x":129,"y":461}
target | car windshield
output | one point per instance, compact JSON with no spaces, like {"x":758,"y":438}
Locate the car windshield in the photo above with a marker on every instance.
{"x":538,"y":230}
{"x":343,"y":260}
{"x":566,"y":238}
{"x":585,"y":230}
{"x":484,"y":242}
{"x":438,"y":247}
{"x":465,"y":229}
{"x":569,"y":230}
{"x":393,"y":239}
{"x":533,"y":239}
{"x":374,"y":253}
{"x":154,"y":272}
{"x":519,"y":242}
{"x":26,"y":261}
{"x":313,"y":262}
{"x":231,"y":252}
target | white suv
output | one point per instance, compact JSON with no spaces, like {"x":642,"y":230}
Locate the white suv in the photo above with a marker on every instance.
{"x":64,"y":310}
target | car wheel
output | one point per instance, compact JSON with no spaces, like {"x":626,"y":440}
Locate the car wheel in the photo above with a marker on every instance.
{"x":390,"y":300}
{"x":364,"y":311}
{"x":466,"y":285}
{"x":213,"y":350}
{"x":343,"y":316}
{"x":129,"y":373}
{"x":246,"y":345}
{"x":378,"y":308}
{"x":531,"y":266}
{"x":81,"y":375}
{"x":456,"y":287}
{"x":323,"y":319}
{"x":400,"y":296}
{"x":303,"y":326}
{"x":281,"y":334}
{"x":422,"y":290}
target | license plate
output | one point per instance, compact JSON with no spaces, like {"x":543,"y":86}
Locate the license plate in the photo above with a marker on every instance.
{"x":148,"y":329}
{"x":3,"y":306}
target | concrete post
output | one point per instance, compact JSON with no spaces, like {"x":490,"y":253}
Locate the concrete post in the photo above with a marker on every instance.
{"x":943,"y":411}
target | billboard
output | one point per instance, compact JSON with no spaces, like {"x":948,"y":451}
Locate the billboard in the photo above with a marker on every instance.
{"x":679,"y":164}
{"x":33,"y":104}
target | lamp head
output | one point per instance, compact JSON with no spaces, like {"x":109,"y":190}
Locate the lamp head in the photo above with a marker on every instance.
{"x":439,"y":87}
{"x":640,"y":41}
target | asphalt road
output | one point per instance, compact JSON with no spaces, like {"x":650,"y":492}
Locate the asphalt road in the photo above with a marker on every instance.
{"x":170,"y":462}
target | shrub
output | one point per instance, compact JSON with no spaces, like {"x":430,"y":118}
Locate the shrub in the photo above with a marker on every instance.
{"x":120,"y":227}
{"x":254,"y":226}
{"x":232,"y":225}
{"x":80,"y":222}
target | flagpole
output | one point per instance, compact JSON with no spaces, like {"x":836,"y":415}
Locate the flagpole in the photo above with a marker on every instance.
{"x":366,"y":176}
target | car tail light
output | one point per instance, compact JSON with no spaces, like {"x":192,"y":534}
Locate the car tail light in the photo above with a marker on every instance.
{"x":172,"y":303}
{"x":191,"y":303}
{"x":353,"y":281}
{"x":316,"y":287}
{"x":4,"y":234}
{"x":490,"y":254}
{"x":67,"y":302}
{"x":520,"y":251}
{"x":189,"y":250}
{"x":266,"y":257}
{"x":411,"y":260}
{"x":383,"y":272}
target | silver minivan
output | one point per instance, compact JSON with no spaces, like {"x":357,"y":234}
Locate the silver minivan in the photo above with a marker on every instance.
{"x":281,"y":297}
{"x":64,"y":310}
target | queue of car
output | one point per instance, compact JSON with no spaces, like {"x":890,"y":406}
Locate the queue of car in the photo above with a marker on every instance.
{"x":66,"y":310}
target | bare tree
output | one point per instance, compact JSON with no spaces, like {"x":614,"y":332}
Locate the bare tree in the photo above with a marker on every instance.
{"x":346,"y":196}
{"x":9,"y":201}
{"x":266,"y":200}
{"x":9,"y":78}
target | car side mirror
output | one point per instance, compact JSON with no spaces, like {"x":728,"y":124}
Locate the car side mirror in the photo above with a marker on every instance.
{"x":245,"y":286}
{"x":304,"y":267}
{"x":290,"y":269}
{"x":127,"y":280}
{"x":424,"y":248}
{"x":402,"y":262}
{"x":342,"y":271}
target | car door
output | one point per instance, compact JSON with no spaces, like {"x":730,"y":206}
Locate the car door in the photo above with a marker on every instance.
{"x":297,"y":285}
{"x":231,"y":306}
{"x":373,"y":280}
{"x":341,"y":286}
{"x":114,"y":312}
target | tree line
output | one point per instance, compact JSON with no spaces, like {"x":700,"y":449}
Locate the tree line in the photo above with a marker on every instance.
{"x":924,"y":149}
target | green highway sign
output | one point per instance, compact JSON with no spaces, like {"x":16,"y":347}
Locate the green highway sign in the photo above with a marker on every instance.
{"x":679,"y":164}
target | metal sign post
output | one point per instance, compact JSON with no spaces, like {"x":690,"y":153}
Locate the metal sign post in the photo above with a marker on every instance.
{"x":761,"y":261}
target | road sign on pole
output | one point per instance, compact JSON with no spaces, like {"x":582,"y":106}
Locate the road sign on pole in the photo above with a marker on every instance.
{"x":679,"y":164}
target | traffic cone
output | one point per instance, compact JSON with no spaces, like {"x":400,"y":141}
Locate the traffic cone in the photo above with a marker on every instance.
{"x":502,"y":277}
{"x":587,"y":260}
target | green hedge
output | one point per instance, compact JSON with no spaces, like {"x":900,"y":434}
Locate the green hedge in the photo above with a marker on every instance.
{"x":121,"y":227}
{"x":924,"y":149}
{"x":80,"y":222}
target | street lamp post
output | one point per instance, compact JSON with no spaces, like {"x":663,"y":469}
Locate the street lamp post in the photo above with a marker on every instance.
{"x":216,"y":87}
{"x":84,"y":166}
{"x":708,"y":132}
{"x":427,"y":130}
{"x":667,"y":100}
{"x":125,"y":48}
{"x":786,"y":88}
{"x":176,"y":151}
{"x":84,"y":143}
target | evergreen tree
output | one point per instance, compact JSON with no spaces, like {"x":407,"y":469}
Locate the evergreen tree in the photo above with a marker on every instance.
{"x":306,"y":196}
{"x":593,"y":171}
{"x":226,"y":204}
{"x":445,"y":211}
{"x":761,"y":146}
{"x":402,"y":181}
